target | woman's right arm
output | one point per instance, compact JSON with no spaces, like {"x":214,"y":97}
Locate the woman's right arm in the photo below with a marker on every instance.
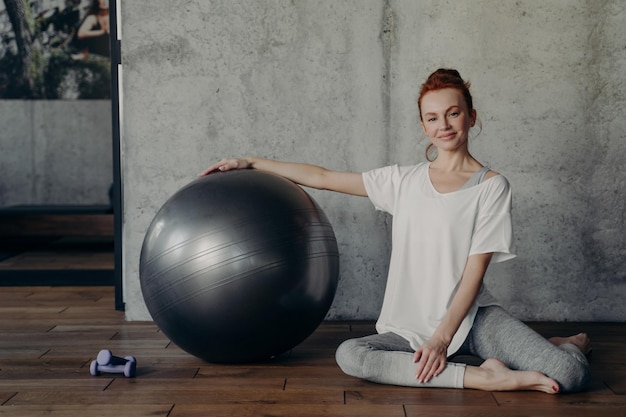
{"x":308,"y":175}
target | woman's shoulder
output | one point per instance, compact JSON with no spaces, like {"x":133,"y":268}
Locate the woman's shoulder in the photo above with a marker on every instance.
{"x":496,"y":182}
{"x":497,"y":176}
{"x":491,"y":174}
{"x":90,"y":19}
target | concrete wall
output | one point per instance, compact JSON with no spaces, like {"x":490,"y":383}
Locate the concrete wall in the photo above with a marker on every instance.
{"x":55,"y":152}
{"x":335,"y":82}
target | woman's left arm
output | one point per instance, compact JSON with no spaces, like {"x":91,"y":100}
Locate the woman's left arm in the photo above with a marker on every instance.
{"x":431,"y":357}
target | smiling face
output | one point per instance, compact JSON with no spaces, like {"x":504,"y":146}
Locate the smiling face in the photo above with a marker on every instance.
{"x":446,"y":119}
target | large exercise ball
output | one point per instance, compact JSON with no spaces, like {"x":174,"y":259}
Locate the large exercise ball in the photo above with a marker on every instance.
{"x":239,"y":266}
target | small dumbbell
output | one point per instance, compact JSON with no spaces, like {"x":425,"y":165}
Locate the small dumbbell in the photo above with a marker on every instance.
{"x":106,"y":362}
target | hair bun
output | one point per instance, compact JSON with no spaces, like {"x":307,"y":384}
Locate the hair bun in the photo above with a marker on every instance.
{"x":446,"y":72}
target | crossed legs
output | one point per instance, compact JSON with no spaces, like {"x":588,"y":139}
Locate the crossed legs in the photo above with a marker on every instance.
{"x":519,"y":359}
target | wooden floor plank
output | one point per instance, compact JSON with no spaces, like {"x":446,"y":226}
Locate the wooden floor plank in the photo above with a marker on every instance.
{"x":47,"y":260}
{"x":285,"y":410}
{"x":530,"y":411}
{"x":22,"y":353}
{"x":341,"y":381}
{"x":5,"y":396}
{"x":71,"y":384}
{"x":33,"y":339}
{"x":319,"y":372}
{"x":31,"y":312}
{"x":423,"y":396}
{"x":27,"y":365}
{"x":226,"y":395}
{"x":101,"y":410}
{"x":140,"y":386}
{"x":592,"y":398}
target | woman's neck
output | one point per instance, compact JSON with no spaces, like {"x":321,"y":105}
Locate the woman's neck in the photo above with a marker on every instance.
{"x":455,"y":161}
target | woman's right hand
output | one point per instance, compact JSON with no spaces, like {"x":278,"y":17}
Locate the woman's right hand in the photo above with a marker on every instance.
{"x":226,"y":164}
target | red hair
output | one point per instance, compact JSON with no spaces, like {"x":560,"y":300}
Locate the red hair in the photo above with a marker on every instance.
{"x":446,"y":78}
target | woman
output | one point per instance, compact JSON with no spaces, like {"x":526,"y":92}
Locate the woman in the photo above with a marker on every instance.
{"x":451,"y":219}
{"x":93,"y":33}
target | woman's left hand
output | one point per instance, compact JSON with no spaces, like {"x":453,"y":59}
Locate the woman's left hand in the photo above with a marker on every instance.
{"x":431,"y":359}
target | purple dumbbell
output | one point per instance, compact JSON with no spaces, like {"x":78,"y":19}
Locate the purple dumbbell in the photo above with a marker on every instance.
{"x":106,"y":362}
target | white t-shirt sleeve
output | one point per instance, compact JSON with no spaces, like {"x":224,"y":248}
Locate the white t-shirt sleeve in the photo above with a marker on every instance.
{"x":383,"y":187}
{"x":493,"y":231}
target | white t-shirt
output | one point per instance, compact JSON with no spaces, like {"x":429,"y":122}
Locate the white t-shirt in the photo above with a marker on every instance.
{"x":432,"y":236}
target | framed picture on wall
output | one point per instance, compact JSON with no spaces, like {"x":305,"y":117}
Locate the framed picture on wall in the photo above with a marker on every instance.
{"x":54,"y":49}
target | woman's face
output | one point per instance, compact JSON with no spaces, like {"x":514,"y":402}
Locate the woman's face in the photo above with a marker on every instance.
{"x":103,"y":4}
{"x":446,"y":119}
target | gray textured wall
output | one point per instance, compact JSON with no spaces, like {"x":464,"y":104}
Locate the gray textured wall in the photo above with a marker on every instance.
{"x":335,"y":82}
{"x":55,"y":152}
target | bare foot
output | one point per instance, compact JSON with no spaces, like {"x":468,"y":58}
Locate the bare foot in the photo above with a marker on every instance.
{"x":580,"y":340}
{"x":494,"y":375}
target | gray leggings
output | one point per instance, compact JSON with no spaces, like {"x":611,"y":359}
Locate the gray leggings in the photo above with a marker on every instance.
{"x":388,"y":358}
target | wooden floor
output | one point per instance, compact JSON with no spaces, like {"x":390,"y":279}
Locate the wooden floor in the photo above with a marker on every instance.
{"x":62,"y":261}
{"x":50,"y":335}
{"x":57,"y":244}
